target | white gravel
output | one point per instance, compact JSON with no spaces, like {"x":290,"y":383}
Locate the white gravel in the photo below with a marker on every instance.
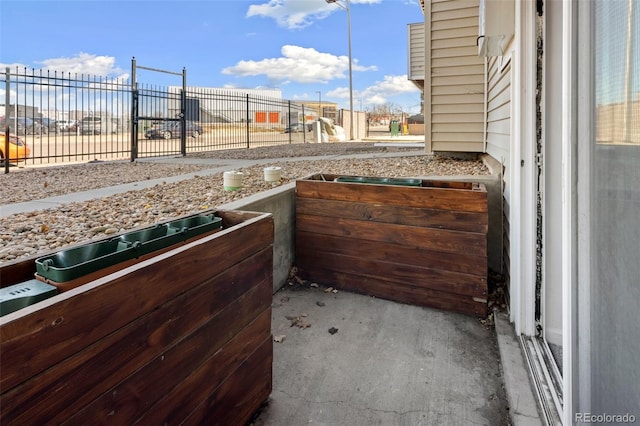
{"x":25,"y":234}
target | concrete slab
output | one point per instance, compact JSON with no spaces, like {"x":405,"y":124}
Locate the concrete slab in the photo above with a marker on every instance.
{"x":386,"y":364}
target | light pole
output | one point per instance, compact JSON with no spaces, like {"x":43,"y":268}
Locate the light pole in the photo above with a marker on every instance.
{"x":319,"y":103}
{"x":348,"y":9}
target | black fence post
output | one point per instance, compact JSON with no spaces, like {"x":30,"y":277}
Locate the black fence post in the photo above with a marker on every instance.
{"x":289,"y":121}
{"x":183,"y":115}
{"x":134,"y":111}
{"x":248,"y":134}
{"x":134,"y":124}
{"x":7,"y":108}
{"x":183,"y":123}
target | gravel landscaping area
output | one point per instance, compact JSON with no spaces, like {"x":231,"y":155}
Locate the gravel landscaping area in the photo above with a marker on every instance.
{"x":24,"y":234}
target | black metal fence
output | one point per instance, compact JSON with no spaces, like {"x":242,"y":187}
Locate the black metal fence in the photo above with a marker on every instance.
{"x":66,"y":117}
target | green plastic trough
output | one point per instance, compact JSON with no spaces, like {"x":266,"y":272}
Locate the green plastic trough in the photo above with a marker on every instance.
{"x":24,"y":294}
{"x":379,"y":181}
{"x":67,"y":265}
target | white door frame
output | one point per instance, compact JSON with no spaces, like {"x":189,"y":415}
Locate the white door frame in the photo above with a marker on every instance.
{"x":578,"y":107}
{"x":523,"y":219}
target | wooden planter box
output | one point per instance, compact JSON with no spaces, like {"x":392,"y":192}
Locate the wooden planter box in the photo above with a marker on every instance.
{"x":423,"y":245}
{"x":181,"y":336}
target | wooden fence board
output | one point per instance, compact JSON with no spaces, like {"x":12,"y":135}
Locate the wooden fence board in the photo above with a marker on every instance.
{"x":307,"y":243}
{"x":141,"y":393}
{"x":401,"y":274}
{"x":232,"y":401}
{"x":406,"y":293}
{"x":423,"y":197}
{"x":413,"y":236}
{"x":401,"y":215}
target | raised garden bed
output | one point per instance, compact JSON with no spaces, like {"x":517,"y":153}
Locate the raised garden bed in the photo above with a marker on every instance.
{"x":183,"y":336}
{"x":423,"y":244}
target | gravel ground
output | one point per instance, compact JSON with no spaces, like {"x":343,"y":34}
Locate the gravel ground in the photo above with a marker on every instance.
{"x":25,"y":234}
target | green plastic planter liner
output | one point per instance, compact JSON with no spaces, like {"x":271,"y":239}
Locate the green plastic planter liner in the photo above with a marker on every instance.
{"x":196,"y":225}
{"x":70,"y":264}
{"x":379,"y":181}
{"x":21,"y":295}
{"x":67,"y":265}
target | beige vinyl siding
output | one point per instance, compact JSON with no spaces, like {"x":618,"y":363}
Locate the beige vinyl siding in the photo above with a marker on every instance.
{"x":416,"y":51}
{"x":454,"y":77}
{"x":499,"y":133}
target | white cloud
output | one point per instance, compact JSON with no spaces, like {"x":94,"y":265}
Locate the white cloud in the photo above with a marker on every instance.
{"x":87,"y":64}
{"x":380,"y":91}
{"x":82,"y":63}
{"x":297,"y":14}
{"x":298,"y":64}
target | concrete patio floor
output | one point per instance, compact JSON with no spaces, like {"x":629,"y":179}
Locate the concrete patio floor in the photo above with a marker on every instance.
{"x":349,"y":359}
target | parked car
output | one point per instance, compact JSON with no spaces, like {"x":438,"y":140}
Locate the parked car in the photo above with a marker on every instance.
{"x":171,"y":129}
{"x":47,"y":124}
{"x":91,"y":125}
{"x":298,"y":127}
{"x":18,"y":149}
{"x":67,"y":125}
{"x":25,"y":126}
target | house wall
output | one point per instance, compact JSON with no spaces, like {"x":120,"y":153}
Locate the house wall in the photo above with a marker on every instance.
{"x":499,"y":132}
{"x":416,"y":51}
{"x":454,"y":77}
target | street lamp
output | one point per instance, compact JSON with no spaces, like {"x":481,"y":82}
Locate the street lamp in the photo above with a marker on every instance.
{"x":348,"y":9}
{"x":319,"y":103}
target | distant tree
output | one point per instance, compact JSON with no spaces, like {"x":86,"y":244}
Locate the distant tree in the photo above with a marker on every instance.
{"x":385,"y":111}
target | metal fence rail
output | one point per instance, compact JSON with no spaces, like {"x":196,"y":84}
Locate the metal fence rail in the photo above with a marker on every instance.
{"x":65,"y":117}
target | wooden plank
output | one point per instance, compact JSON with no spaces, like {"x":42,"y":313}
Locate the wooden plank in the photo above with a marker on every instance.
{"x":388,"y":290}
{"x":412,"y":216}
{"x":401,"y":274}
{"x":424,"y":183}
{"x":241,"y":394}
{"x":205,"y":385}
{"x":434,"y":198}
{"x":411,"y":236}
{"x":235,"y":217}
{"x":133,"y":397}
{"x":308,"y":243}
{"x":64,"y":324}
{"x":65,"y":388}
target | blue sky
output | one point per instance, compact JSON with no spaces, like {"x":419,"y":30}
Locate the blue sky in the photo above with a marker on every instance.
{"x":298,"y":46}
